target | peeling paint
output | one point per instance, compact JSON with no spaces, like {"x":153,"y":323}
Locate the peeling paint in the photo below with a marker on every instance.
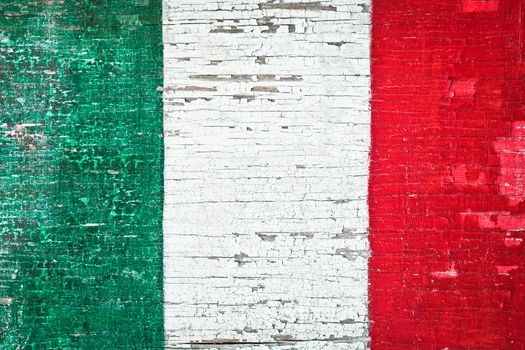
{"x":266,"y":176}
{"x":81,"y":173}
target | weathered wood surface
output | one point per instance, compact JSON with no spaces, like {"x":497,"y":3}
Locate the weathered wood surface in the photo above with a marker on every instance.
{"x":447,"y":175}
{"x":267,"y":136}
{"x":81,"y":174}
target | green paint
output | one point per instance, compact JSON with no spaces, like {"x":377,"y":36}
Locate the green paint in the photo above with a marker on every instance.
{"x":81,"y":174}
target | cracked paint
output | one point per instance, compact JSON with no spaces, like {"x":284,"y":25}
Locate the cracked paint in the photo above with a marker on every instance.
{"x":266,"y":174}
{"x":81,"y":173}
{"x":446,"y":177}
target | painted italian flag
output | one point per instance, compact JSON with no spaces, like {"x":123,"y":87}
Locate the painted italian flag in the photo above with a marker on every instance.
{"x":262,"y":174}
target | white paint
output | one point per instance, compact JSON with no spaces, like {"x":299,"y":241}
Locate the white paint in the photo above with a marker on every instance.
{"x":266,"y":174}
{"x":302,"y":345}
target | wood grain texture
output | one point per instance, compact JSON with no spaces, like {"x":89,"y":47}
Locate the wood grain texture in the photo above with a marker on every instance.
{"x":267,"y":135}
{"x":447,"y":205}
{"x":81,"y":174}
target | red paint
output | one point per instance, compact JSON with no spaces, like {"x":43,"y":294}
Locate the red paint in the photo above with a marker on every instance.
{"x":479,"y":5}
{"x":447,"y":183}
{"x":463,"y":88}
{"x":505,"y":270}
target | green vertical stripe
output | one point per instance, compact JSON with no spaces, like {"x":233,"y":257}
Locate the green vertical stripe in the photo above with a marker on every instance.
{"x":81,"y":174}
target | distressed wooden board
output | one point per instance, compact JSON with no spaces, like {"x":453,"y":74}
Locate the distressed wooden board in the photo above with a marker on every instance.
{"x":447,"y":177}
{"x":81,"y":174}
{"x":267,"y":136}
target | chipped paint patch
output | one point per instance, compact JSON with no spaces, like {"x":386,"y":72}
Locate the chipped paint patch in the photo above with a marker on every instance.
{"x":506,"y":270}
{"x":451,"y":272}
{"x":479,"y":5}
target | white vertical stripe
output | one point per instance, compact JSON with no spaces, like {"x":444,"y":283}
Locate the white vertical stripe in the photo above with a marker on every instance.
{"x":267,"y":135}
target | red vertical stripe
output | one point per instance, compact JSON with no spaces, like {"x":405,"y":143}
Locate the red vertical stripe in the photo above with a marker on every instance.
{"x":447,"y":209}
